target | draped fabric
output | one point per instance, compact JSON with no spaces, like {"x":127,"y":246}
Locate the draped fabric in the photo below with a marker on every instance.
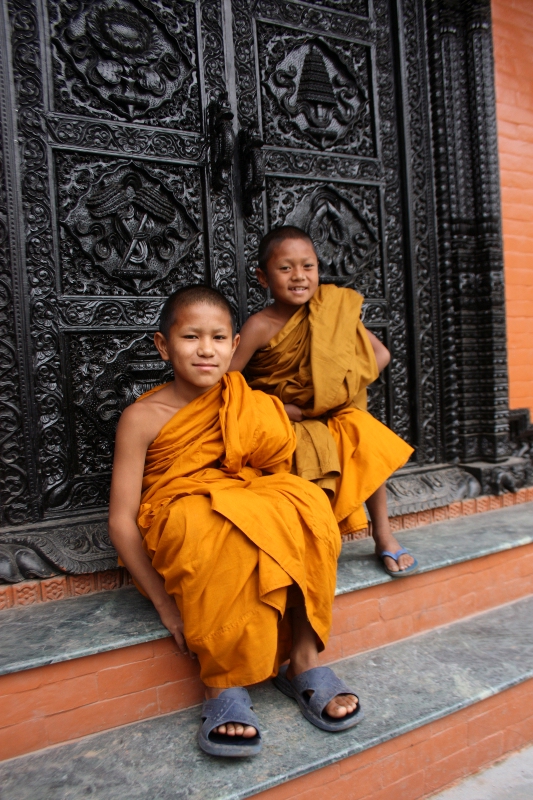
{"x":231,"y":530}
{"x":322,"y":361}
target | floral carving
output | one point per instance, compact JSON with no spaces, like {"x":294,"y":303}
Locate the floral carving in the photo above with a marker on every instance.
{"x":126,"y":60}
{"x":126,"y":139}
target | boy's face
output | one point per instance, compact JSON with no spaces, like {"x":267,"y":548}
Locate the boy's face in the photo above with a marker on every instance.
{"x":292,"y":272}
{"x":200,"y":345}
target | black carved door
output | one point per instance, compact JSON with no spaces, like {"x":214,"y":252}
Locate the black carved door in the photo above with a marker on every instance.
{"x":121,"y":182}
{"x":323,"y":92}
{"x":110,"y":103}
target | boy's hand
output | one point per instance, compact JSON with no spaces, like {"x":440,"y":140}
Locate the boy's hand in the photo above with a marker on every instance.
{"x":293,"y":412}
{"x":171,"y":619}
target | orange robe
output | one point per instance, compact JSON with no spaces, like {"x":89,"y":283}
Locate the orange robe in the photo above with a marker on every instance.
{"x":322,"y":361}
{"x":230,"y":530}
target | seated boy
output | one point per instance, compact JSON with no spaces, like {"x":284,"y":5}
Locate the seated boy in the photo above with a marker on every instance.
{"x":310,"y":349}
{"x":238,"y":556}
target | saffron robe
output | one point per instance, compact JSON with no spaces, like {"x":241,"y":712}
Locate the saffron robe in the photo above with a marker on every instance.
{"x":230,"y":530}
{"x":322,"y":361}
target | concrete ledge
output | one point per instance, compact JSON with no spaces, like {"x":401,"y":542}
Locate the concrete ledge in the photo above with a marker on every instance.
{"x":439,"y":545}
{"x":403,"y":687}
{"x":53,"y":632}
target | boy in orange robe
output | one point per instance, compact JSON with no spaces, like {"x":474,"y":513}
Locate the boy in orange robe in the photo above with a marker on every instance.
{"x":311,"y":349}
{"x":238,"y":555}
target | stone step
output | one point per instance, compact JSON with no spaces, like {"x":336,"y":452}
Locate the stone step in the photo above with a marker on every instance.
{"x":77,"y":666}
{"x":438,"y":706}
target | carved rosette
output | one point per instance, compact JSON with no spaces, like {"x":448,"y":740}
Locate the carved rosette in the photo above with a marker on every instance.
{"x":119,"y":59}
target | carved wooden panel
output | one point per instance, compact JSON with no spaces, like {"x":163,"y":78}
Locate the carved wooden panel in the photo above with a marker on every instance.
{"x":124,"y":60}
{"x":320,"y":88}
{"x":118,"y":210}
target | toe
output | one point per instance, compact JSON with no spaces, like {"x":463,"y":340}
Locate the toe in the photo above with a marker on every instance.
{"x":341,"y":705}
{"x":335,"y":709}
{"x":405,"y":561}
{"x":391,"y":564}
{"x":236,"y":729}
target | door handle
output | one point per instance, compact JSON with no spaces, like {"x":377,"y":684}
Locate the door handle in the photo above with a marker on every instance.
{"x":252,"y":164}
{"x":222,"y":141}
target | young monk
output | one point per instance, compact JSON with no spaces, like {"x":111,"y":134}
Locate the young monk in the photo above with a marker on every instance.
{"x":311,"y":349}
{"x":237,"y":555}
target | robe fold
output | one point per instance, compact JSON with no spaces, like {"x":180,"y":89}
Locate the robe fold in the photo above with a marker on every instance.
{"x":322,"y":361}
{"x":228,"y":539}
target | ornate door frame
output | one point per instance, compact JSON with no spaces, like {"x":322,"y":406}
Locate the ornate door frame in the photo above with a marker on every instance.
{"x":442,"y":84}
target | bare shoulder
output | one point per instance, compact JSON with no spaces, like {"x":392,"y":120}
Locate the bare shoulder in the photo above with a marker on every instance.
{"x":135,"y":420}
{"x":256,"y":333}
{"x":258,"y":328}
{"x":141,"y":422}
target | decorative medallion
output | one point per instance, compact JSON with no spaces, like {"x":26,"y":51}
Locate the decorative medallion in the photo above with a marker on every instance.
{"x":345,"y":240}
{"x":318,"y":92}
{"x":132,"y":227}
{"x":128,"y":59}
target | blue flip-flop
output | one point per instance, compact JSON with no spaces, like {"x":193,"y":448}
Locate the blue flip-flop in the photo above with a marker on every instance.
{"x":232,"y":705}
{"x":401,"y":573}
{"x":325,"y":685}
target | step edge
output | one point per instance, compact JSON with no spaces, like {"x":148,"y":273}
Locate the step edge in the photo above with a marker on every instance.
{"x":497,"y":687}
{"x":379,"y":580}
{"x":161,"y":632}
{"x":321,"y":763}
{"x":85,"y":652}
{"x":377,"y":740}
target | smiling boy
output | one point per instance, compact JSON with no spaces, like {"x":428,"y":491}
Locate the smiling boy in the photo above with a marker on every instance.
{"x":311,"y":349}
{"x":237,"y":555}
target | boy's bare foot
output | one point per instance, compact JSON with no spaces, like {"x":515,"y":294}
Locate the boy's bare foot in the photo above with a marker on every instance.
{"x":340,"y":706}
{"x":230,"y":728}
{"x":386,"y":541}
{"x":304,"y":656}
{"x":381,"y":532}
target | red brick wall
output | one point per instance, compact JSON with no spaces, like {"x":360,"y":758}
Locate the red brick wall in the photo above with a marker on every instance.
{"x":513,"y":51}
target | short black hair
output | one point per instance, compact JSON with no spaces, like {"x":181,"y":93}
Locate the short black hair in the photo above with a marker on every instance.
{"x":275,"y":237}
{"x":188,"y":296}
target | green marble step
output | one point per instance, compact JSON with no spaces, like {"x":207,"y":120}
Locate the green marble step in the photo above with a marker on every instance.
{"x":402,"y":686}
{"x":48,"y":633}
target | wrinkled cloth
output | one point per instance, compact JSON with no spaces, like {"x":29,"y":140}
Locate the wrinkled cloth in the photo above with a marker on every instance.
{"x":230,"y":540}
{"x":322,"y":361}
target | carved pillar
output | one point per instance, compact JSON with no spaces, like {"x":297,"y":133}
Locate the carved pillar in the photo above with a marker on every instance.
{"x":471,"y":263}
{"x":492,"y":356}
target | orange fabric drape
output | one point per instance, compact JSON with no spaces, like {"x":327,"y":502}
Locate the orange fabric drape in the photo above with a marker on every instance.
{"x":228,"y":539}
{"x":322,"y":361}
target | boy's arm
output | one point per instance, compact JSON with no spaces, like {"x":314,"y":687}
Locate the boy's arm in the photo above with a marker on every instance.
{"x":255,"y":334}
{"x":380,"y":351}
{"x":131,"y":443}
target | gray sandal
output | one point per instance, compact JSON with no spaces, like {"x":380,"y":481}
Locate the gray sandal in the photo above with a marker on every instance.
{"x":232,"y":705}
{"x":325,"y":685}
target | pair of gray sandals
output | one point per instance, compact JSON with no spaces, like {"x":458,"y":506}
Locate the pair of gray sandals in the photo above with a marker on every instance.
{"x":235,"y":705}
